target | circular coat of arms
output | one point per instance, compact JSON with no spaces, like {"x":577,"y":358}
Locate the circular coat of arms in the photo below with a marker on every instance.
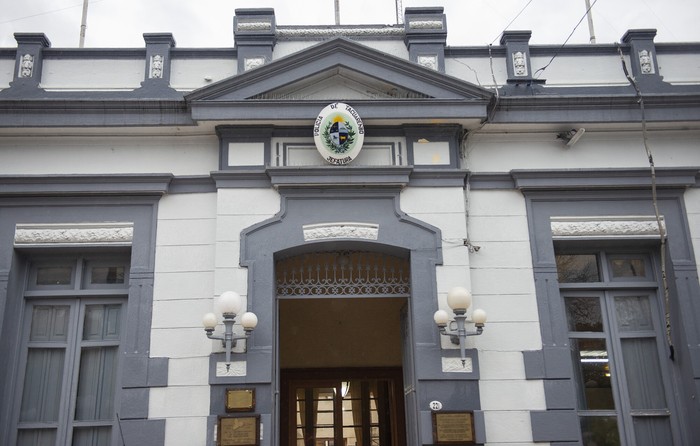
{"x":339,"y":133}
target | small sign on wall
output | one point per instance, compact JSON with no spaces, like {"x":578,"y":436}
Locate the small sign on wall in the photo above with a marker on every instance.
{"x":455,"y":428}
{"x":240,"y":400}
{"x":239,"y":431}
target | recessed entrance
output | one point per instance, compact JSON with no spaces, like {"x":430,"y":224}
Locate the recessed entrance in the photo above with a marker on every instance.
{"x":340,"y":348}
{"x":341,"y":376}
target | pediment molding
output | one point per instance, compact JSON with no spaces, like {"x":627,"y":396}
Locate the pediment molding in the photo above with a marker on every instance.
{"x":342,"y":60}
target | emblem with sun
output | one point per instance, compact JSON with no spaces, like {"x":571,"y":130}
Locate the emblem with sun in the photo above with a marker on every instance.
{"x":339,"y":133}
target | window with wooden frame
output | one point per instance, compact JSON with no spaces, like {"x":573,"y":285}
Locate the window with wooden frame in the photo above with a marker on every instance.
{"x":615,"y":321}
{"x":73,"y":328}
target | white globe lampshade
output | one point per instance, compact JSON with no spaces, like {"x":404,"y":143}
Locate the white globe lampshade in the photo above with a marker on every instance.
{"x":249,"y":320}
{"x":441,"y":318}
{"x":229,"y":302}
{"x":209,"y":321}
{"x":459,"y":298}
{"x":479,"y":316}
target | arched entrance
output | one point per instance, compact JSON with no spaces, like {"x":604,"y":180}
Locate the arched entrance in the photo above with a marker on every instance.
{"x":340,"y":348}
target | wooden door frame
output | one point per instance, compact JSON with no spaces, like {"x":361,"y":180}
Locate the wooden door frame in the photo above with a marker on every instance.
{"x":292,"y":377}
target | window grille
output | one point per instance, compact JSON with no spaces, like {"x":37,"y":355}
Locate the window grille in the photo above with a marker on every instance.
{"x":343,"y":273}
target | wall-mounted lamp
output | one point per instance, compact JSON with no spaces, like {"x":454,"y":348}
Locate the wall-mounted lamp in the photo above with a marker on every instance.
{"x":459,"y":300}
{"x":572,"y":136}
{"x":229,"y":304}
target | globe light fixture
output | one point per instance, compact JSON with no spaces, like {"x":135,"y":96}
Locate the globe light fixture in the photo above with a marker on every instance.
{"x":459,"y":300}
{"x":229,"y":304}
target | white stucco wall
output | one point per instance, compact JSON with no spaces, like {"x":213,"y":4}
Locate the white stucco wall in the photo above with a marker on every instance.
{"x":580,"y":70}
{"x":7,"y":70}
{"x":197,"y":258}
{"x":190,"y":74}
{"x":501,"y":279}
{"x":54,"y":154}
{"x":503,"y":285}
{"x":596,"y":149}
{"x":477,"y":70}
{"x":680,"y":69}
{"x":182,"y":294}
{"x":94,"y":74}
{"x":692,"y":207}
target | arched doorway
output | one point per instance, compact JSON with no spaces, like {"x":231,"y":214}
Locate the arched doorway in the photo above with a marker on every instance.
{"x":340,"y":348}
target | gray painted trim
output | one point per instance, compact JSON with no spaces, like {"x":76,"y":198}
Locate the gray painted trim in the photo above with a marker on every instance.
{"x":283,"y":234}
{"x":192,"y":185}
{"x":602,"y":179}
{"x":136,"y":432}
{"x":399,"y":109}
{"x":437,"y":177}
{"x":490,"y":181}
{"x":241,"y":178}
{"x":339,"y":176}
{"x":79,"y":185}
{"x":434,"y":133}
{"x":554,"y":194}
{"x":555,"y":425}
{"x":40,"y":204}
{"x":618,"y":104}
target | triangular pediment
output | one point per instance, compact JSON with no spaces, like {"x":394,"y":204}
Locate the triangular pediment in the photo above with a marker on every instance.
{"x":338,"y":70}
{"x":340,"y":83}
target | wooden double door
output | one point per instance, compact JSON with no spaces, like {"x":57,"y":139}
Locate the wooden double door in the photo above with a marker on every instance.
{"x":342,"y":407}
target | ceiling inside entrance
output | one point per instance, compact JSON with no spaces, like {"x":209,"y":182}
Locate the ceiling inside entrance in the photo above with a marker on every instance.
{"x":340,"y":332}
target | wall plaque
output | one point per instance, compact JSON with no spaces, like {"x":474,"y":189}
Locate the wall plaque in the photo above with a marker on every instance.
{"x":453,"y":428}
{"x":240,"y":400}
{"x":339,"y":133}
{"x":239,"y":431}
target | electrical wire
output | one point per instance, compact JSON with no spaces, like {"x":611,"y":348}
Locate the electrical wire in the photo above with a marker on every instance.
{"x":654,"y":198}
{"x":511,"y":22}
{"x":541,"y":70}
{"x":47,"y":12}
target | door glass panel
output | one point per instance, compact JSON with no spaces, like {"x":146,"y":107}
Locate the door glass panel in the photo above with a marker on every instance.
{"x":54,"y":275}
{"x":577,"y":268}
{"x":592,"y":372}
{"x":92,"y":436}
{"x":96,"y":383}
{"x":36,"y":437}
{"x":355,"y":413}
{"x":583,"y":314}
{"x":102,"y":322}
{"x":652,"y":431}
{"x":43,"y":380}
{"x":628,"y":267}
{"x":598,"y":431}
{"x":107,"y":275}
{"x":643,"y":373}
{"x":633,"y":313}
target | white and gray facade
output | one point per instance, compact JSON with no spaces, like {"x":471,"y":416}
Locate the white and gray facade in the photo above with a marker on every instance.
{"x":137,"y":185}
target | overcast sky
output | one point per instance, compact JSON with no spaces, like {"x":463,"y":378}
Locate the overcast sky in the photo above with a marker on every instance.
{"x":209,"y":23}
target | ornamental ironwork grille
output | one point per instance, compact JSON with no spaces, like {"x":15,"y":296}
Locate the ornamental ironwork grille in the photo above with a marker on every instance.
{"x":343,"y":273}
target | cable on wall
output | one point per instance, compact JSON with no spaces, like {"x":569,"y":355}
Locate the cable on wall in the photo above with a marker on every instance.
{"x":539,"y":71}
{"x":654,"y":198}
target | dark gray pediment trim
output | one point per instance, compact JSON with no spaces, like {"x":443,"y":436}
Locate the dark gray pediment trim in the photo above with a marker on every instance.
{"x":563,"y":179}
{"x":397,"y":110}
{"x":93,"y":110}
{"x":331,"y":54}
{"x":535,"y":104}
{"x":82,"y":185}
{"x":339,"y":176}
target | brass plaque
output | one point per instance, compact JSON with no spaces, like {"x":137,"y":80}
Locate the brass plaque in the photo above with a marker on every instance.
{"x":453,"y":427}
{"x":240,"y":400}
{"x":239,"y":431}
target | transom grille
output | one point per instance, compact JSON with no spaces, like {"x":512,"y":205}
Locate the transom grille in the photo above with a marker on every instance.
{"x":343,"y":273}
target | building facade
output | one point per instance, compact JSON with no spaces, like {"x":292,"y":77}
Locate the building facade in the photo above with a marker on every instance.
{"x":348,"y":182}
